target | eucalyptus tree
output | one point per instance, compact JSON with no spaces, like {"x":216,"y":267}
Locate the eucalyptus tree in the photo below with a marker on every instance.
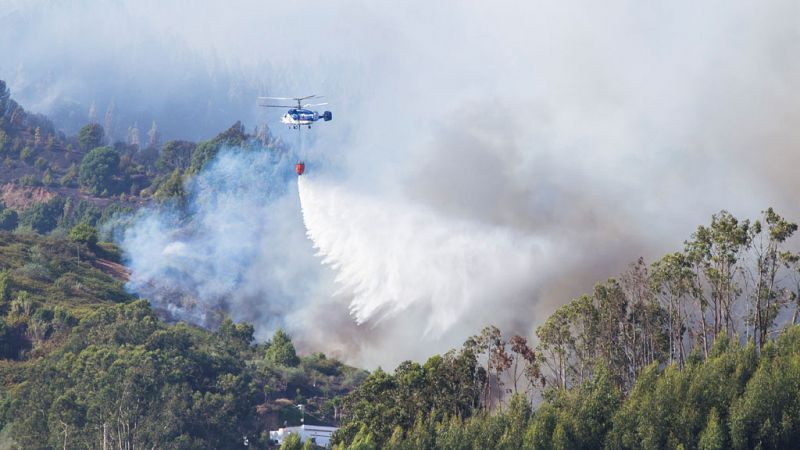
{"x":767,"y":297}
{"x":715,"y":254}
{"x":672,"y":283}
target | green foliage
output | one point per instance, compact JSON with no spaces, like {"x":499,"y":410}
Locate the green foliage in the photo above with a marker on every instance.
{"x":8,"y":219}
{"x":444,"y":386}
{"x":735,"y":399}
{"x":292,"y":442}
{"x":41,"y":163}
{"x":281,"y":350}
{"x":713,"y":436}
{"x":766,"y":415}
{"x":238,"y":335}
{"x":97,"y":170}
{"x":166,"y":386}
{"x":91,"y":136}
{"x":28,"y":180}
{"x":26,"y":154}
{"x":70,"y":178}
{"x":207,"y":150}
{"x":175,"y":155}
{"x":47,"y":178}
{"x":5,"y":97}
{"x":172,"y":188}
{"x":43,"y":217}
{"x":5,"y":286}
{"x":83,"y":234}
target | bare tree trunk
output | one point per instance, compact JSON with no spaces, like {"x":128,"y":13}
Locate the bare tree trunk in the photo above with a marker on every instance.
{"x":705,"y":334}
{"x":516,"y":362}
{"x":758,"y":332}
{"x":66,"y":428}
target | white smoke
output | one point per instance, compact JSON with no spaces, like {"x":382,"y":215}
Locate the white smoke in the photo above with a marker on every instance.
{"x":231,"y":253}
{"x":607,"y":130}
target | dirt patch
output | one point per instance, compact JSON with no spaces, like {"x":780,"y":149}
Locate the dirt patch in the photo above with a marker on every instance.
{"x":114,"y":269}
{"x":21,"y":197}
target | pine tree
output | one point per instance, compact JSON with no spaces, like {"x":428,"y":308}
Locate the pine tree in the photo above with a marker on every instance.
{"x":713,"y":437}
{"x":47,"y":178}
{"x":281,"y":350}
{"x":93,"y":113}
{"x":5,"y":96}
{"x":108,"y":123}
{"x":133,"y":135}
{"x":153,"y":136}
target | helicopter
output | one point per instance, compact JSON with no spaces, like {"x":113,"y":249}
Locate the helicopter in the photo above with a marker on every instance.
{"x":298,"y":116}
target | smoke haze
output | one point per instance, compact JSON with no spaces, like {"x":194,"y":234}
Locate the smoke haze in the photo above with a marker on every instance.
{"x":544,"y":144}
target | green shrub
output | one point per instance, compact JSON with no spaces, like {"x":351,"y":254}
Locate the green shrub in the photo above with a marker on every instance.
{"x":5,"y":286}
{"x":26,"y":154}
{"x":91,"y":136}
{"x":28,"y":180}
{"x":40,"y":163}
{"x":84,"y":234}
{"x":98,"y":169}
{"x":43,"y":217}
{"x":8,"y":219}
{"x":70,"y":178}
{"x":281,"y":350}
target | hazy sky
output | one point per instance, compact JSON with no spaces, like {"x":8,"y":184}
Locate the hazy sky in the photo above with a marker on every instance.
{"x":608,"y":130}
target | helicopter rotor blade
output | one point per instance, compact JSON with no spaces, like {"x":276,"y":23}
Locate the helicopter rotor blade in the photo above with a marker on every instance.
{"x":314,"y":104}
{"x":264,"y":101}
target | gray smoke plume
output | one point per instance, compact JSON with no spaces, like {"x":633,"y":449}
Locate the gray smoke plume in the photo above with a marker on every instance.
{"x":241,"y":249}
{"x":599,"y":131}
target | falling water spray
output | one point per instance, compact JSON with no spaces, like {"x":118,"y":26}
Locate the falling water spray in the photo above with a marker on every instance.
{"x":391,"y":256}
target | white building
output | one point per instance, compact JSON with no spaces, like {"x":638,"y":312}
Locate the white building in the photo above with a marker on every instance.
{"x":321,"y":435}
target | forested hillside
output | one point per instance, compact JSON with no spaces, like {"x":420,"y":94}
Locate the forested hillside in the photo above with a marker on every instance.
{"x":51,"y":182}
{"x":85,"y":364}
{"x":699,"y":350}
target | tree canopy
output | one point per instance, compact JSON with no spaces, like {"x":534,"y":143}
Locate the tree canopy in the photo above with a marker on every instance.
{"x":91,"y":136}
{"x":281,"y":350}
{"x":97,"y":170}
{"x":83,"y":233}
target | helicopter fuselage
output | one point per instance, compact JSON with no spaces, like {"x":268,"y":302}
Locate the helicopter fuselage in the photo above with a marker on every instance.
{"x":304,"y":117}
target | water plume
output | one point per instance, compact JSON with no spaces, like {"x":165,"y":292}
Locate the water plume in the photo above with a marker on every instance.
{"x":391,"y":255}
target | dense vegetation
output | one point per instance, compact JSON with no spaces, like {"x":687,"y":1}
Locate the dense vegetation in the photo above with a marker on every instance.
{"x":84,"y":363}
{"x":699,"y":350}
{"x":679,"y":354}
{"x":94,"y":175}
